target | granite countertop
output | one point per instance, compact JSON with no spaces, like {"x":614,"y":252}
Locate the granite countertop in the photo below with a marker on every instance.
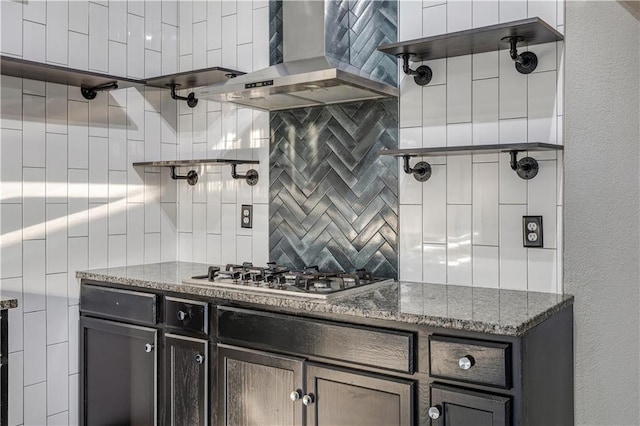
{"x":8,"y":303}
{"x":504,"y":312}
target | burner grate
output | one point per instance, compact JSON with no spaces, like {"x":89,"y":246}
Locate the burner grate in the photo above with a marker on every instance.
{"x":310,"y":280}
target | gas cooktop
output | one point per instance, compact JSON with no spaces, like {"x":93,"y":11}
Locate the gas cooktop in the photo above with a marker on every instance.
{"x":279,"y":280}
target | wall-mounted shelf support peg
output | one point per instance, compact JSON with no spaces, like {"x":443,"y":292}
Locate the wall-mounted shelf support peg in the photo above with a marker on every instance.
{"x":251,"y":176}
{"x":191,"y":97}
{"x":191,"y":177}
{"x":421,"y":171}
{"x":527,"y":167}
{"x":91,"y":92}
{"x":422,"y":74}
{"x":526,"y":62}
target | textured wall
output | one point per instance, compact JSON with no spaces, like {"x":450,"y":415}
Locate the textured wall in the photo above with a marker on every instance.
{"x":372,"y":23}
{"x":602,"y":211}
{"x":275,"y":32}
{"x":464,"y":225}
{"x":333,"y":200}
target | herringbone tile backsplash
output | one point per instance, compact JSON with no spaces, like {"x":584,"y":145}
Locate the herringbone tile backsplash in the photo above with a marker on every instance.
{"x":333,"y":202}
{"x":276,"y":51}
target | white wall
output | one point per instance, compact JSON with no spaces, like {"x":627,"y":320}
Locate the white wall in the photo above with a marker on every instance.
{"x":464,"y":225}
{"x":69,"y":197}
{"x":602,"y":209}
{"x":236,"y":36}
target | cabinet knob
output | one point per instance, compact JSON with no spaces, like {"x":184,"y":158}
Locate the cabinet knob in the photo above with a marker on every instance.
{"x":182,"y":315}
{"x":307,"y":400}
{"x":434,"y":412}
{"x":199,"y":359}
{"x":148,"y":347}
{"x":466,"y":362}
{"x":295,"y":395}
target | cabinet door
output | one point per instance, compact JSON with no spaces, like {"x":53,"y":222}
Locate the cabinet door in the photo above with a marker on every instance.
{"x":119,"y":373}
{"x":343,"y":397}
{"x":452,"y":406}
{"x":187,"y":380}
{"x":255,"y":388}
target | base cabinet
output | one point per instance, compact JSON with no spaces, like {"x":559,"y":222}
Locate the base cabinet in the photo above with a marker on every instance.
{"x":120,"y":371}
{"x":255,"y":388}
{"x":187,"y":380}
{"x":149,"y":358}
{"x":258,"y":388}
{"x":340,"y":397}
{"x":454,"y":406}
{"x":139,"y":367}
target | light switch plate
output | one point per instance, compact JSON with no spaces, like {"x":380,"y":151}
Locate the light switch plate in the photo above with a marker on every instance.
{"x":532,"y":231}
{"x":246,"y":216}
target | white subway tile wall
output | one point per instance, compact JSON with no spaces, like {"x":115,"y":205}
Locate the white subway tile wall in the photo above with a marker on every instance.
{"x":237,"y":34}
{"x":472,"y":207}
{"x":70,"y":198}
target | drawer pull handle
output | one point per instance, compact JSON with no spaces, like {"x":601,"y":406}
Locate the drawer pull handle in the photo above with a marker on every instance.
{"x":466,"y":362}
{"x":148,"y":347}
{"x":182,"y":315}
{"x":199,"y":359}
{"x":295,"y":395}
{"x":434,"y":412}
{"x":307,"y":400}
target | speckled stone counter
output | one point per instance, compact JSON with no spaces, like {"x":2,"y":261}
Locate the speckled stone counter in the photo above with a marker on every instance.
{"x":8,"y":303}
{"x":504,"y":312}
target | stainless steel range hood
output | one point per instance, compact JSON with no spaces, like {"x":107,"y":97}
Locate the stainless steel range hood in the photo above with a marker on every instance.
{"x":311,"y":74}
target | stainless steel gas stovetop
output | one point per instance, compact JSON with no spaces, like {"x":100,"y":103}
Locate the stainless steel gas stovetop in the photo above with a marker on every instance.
{"x":279,"y":280}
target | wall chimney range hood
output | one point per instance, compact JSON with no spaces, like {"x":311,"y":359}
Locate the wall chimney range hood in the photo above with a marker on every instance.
{"x":314,"y":71}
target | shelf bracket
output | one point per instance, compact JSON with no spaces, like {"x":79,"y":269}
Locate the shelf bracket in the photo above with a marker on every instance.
{"x":191,"y":177}
{"x":421,"y":171}
{"x":91,"y":92}
{"x":422,"y":74}
{"x":527,"y":167}
{"x":526,"y":62}
{"x":191,"y":97}
{"x":251,"y":176}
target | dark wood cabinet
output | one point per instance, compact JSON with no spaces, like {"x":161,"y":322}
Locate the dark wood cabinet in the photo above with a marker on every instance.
{"x":119,"y":373}
{"x":152,"y":357}
{"x":343,"y":397}
{"x":255,"y":388}
{"x":259,"y":388}
{"x":139,"y":367}
{"x":454,"y":406}
{"x":186,"y":379}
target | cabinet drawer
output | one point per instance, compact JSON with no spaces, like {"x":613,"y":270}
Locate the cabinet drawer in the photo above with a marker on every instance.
{"x":120,"y":304}
{"x":187,"y":315}
{"x":375,"y":347}
{"x":472,"y":361}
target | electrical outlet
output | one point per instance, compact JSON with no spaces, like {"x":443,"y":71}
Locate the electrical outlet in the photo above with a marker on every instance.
{"x":532,"y":231}
{"x":246,"y":216}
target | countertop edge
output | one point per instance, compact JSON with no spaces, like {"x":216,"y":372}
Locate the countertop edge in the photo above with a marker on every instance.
{"x":300,"y":305}
{"x":8,"y":303}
